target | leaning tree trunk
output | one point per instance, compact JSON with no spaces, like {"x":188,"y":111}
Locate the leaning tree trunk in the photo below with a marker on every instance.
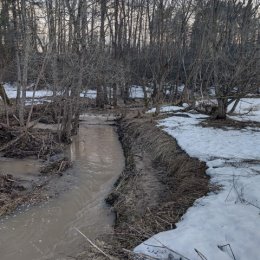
{"x":234,"y":106}
{"x":4,"y":96}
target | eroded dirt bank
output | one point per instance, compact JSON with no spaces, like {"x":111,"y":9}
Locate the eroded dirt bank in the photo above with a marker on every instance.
{"x":159,"y":183}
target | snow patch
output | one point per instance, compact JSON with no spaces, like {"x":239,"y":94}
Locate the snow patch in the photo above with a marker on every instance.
{"x":165,"y":109}
{"x":42,"y":96}
{"x":230,"y":217}
{"x":248,"y":109}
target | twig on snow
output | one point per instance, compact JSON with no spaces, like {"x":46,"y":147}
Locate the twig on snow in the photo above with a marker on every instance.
{"x":203,"y":257}
{"x":230,"y":248}
{"x":171,"y":250}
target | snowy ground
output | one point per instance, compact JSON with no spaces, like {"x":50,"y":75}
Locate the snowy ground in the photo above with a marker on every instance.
{"x":137,"y":92}
{"x":166,"y":109}
{"x":42,"y":96}
{"x":11,"y":92}
{"x":248,"y":109}
{"x":230,"y":217}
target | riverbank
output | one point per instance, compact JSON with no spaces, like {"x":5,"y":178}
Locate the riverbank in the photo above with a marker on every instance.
{"x":18,"y":150}
{"x":48,"y":230}
{"x":159,"y":183}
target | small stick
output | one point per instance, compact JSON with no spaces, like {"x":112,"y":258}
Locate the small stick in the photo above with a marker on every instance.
{"x":95,"y":246}
{"x":60,"y":168}
{"x":221,"y":248}
{"x":203,"y":257}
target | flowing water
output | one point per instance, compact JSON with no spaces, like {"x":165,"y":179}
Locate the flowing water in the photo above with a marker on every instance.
{"x":48,"y":231}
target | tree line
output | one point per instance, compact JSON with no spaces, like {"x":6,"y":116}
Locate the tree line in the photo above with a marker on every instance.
{"x":72,"y":45}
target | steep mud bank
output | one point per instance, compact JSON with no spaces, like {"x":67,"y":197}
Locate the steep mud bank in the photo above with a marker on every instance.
{"x":159,"y":183}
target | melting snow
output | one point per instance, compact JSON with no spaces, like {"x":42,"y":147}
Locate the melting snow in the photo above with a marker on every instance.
{"x":248,"y":109}
{"x":232,"y":216}
{"x":42,"y":96}
{"x":165,"y":109}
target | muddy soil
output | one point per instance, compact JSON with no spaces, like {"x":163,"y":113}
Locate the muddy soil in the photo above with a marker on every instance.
{"x":35,"y":144}
{"x":17,"y":192}
{"x":159,"y":183}
{"x":21,"y":192}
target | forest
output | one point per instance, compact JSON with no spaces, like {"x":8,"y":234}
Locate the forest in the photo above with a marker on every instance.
{"x":70,"y":46}
{"x":178,"y":79}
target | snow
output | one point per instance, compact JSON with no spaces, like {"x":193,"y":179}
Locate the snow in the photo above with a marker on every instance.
{"x":137,"y":91}
{"x":181,"y":88}
{"x":166,"y":109}
{"x":12,"y":90}
{"x":248,"y":109}
{"x":92,"y":94}
{"x":229,"y":217}
{"x":43,"y":95}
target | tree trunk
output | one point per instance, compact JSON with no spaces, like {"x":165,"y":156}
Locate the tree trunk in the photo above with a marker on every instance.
{"x":234,"y":106}
{"x":145,"y":96}
{"x":4,"y":96}
{"x":114,"y":95}
{"x":222,"y":108}
{"x":99,"y":98}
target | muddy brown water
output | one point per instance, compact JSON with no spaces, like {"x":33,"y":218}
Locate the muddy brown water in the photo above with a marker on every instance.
{"x":48,"y":231}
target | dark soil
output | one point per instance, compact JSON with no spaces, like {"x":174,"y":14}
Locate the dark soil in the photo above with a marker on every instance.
{"x":15,"y":192}
{"x":15,"y":142}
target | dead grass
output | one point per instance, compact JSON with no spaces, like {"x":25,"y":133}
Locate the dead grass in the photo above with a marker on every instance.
{"x":160,"y":182}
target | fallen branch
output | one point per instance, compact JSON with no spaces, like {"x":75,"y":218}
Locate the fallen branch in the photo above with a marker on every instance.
{"x":12,"y":142}
{"x":203,"y":257}
{"x":95,"y":246}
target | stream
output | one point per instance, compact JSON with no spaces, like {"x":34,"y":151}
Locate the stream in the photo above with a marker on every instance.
{"x":48,"y":231}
